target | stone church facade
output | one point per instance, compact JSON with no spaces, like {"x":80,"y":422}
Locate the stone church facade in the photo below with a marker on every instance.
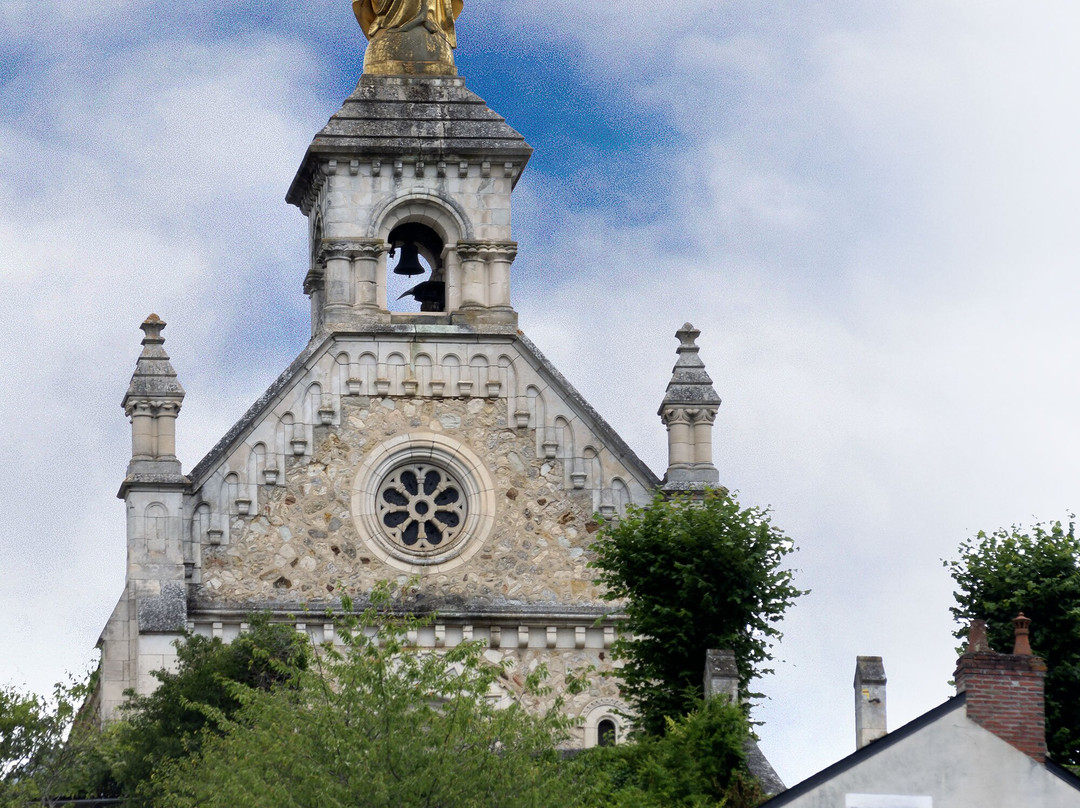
{"x":438,"y":444}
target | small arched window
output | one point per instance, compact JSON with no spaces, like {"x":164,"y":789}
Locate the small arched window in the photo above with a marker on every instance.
{"x":606,"y":733}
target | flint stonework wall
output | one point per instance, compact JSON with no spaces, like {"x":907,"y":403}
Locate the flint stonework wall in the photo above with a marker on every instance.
{"x":602,"y":688}
{"x":300,"y":544}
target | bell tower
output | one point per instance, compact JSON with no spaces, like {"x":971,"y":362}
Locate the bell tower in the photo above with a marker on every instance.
{"x":437,"y":443}
{"x":412,"y":176}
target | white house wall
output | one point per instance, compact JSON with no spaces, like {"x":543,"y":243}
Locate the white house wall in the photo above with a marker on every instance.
{"x":950,"y":763}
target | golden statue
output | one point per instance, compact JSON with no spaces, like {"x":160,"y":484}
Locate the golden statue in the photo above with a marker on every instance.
{"x":409,"y":37}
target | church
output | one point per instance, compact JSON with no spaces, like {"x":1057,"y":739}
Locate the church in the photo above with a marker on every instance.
{"x":436,"y":445}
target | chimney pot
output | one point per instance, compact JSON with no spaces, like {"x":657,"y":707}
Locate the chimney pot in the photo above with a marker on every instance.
{"x":1022,"y":643}
{"x":977,"y":640}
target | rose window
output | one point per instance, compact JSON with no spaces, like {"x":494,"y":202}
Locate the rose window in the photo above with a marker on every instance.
{"x":421,"y":507}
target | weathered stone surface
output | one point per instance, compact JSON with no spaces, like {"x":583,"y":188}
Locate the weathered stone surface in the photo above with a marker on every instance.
{"x":537,"y":553}
{"x":430,"y":118}
{"x":165,"y":613}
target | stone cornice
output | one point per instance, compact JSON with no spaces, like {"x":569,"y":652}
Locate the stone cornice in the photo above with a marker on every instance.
{"x":153,"y":482}
{"x":525,"y":614}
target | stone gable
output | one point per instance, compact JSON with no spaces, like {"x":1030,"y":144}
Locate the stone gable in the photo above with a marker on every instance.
{"x":301,"y":541}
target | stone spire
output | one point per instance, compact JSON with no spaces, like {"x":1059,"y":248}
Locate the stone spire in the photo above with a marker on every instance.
{"x":155,"y":596}
{"x":688,"y":410}
{"x":152,"y":402}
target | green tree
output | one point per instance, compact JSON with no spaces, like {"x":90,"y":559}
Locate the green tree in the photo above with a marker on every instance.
{"x":46,"y":752}
{"x":195,"y":700}
{"x":374,"y":723}
{"x":690,"y":575}
{"x":1035,"y":571}
{"x":698,"y":763}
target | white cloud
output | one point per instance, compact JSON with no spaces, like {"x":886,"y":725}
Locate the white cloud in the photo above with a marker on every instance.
{"x":141,"y":194}
{"x":871,"y":222}
{"x":874,"y":234}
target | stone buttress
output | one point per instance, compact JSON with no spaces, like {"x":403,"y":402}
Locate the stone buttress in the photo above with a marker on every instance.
{"x":152,"y":612}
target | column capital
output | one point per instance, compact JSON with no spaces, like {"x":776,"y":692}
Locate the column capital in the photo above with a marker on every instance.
{"x":675,"y":415}
{"x":506,"y":250}
{"x":329,"y":249}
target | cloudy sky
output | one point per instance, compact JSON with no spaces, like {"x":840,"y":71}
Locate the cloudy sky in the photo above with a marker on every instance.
{"x":867,"y":206}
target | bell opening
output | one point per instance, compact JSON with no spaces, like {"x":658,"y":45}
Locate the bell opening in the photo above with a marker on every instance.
{"x":415,"y":278}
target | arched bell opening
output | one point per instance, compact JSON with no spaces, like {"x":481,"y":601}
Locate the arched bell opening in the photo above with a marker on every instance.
{"x":416,"y":275}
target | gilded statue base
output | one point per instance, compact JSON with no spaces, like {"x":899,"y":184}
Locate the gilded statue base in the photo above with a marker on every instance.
{"x":414,"y":52}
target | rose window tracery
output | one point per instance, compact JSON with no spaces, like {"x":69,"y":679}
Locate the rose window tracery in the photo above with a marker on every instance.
{"x":422,"y":500}
{"x":421,"y":507}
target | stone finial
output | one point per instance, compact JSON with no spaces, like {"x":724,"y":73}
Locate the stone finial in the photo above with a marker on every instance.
{"x":152,"y":401}
{"x":1021,"y":629}
{"x":690,"y":385}
{"x":152,"y":327}
{"x":154,"y":377}
{"x":977,"y":639}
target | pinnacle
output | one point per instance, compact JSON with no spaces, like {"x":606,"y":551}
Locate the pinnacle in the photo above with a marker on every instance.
{"x":690,"y":383}
{"x":154,"y":376}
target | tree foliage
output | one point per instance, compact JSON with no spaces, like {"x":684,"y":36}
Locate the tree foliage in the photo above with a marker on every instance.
{"x":46,"y":753}
{"x":194,"y":701}
{"x":372,"y":723}
{"x":366,"y":722}
{"x":698,"y":763}
{"x":691,"y":575}
{"x":1035,"y":571}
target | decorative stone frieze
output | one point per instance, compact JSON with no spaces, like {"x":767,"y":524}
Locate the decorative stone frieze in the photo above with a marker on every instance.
{"x":351,"y":248}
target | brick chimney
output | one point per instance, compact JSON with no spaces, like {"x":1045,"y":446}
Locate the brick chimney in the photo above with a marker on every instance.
{"x":1005,"y":691}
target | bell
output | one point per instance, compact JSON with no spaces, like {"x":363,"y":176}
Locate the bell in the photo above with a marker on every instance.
{"x":409,"y":264}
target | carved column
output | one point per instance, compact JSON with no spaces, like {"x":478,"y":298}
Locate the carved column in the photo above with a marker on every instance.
{"x":473,"y":275}
{"x":500,"y":256}
{"x":703,"y":426}
{"x":336,"y":257}
{"x":142,"y":430}
{"x":680,"y":438}
{"x":452,"y":271}
{"x":165,"y":420}
{"x":366,"y":254}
